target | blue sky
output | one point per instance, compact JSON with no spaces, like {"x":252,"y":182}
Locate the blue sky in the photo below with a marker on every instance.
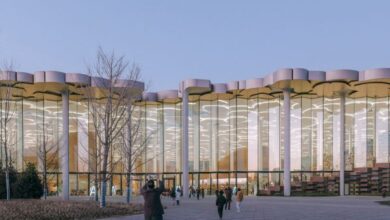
{"x":217,"y":40}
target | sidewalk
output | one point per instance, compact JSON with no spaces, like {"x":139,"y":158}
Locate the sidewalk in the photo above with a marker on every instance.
{"x":268,"y":208}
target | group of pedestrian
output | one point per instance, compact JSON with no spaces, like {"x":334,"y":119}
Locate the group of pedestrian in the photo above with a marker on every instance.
{"x":198,"y":191}
{"x":224,"y":201}
{"x":153,"y":209}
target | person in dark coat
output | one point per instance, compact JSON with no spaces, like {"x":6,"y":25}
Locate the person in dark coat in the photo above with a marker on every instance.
{"x":202,"y":192}
{"x":383,"y":190}
{"x":221,"y":201}
{"x":228,"y":194}
{"x":197,"y":193}
{"x":153,"y":209}
{"x":173,"y":194}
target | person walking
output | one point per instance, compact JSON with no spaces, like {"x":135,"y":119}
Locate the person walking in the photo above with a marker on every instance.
{"x":178,"y":194}
{"x":202,"y":192}
{"x":153,"y":209}
{"x":228,"y":194}
{"x":239,"y":198}
{"x":197,"y":193}
{"x":221,"y":200}
{"x":190,"y":192}
{"x":173,"y":195}
{"x":193,"y":192}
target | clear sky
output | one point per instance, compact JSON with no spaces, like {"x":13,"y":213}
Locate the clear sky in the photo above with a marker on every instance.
{"x":217,"y":40}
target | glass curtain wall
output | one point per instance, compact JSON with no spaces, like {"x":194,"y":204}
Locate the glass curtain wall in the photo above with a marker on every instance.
{"x":236,"y":142}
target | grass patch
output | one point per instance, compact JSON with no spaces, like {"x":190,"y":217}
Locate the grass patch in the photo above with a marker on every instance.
{"x":49,"y":209}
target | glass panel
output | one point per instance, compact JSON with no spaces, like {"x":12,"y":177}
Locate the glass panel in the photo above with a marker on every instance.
{"x":274,"y":182}
{"x":233,"y":133}
{"x":281,"y":133}
{"x":223,"y":136}
{"x":370,"y":131}
{"x":116,"y":185}
{"x":205,"y":135}
{"x":336,"y":134}
{"x":52,"y":184}
{"x":30,"y":132}
{"x":178,"y":136}
{"x":223,"y":180}
{"x":327,"y":136}
{"x":274,"y":155}
{"x":214,"y":136}
{"x":205,"y":182}
{"x":263,"y":121}
{"x":264,"y":184}
{"x":169,"y":137}
{"x":83,"y":184}
{"x":193,"y":136}
{"x":349,"y":133}
{"x":242,"y":135}
{"x":242,"y":182}
{"x":253,"y":132}
{"x":317,"y":134}
{"x":152,"y":152}
{"x":382,"y":130}
{"x":214,"y":185}
{"x":73,"y":186}
{"x":306,"y":134}
{"x":296,"y":134}
{"x":360,"y":133}
{"x":252,"y":184}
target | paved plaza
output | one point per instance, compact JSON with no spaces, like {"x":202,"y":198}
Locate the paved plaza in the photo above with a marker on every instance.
{"x":269,"y":208}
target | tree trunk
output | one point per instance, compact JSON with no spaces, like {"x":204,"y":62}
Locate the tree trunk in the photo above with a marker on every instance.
{"x":7,"y":186}
{"x":96,"y":188}
{"x":128,"y":185}
{"x":103,"y":195}
{"x":104,"y":177}
{"x":45,"y":184}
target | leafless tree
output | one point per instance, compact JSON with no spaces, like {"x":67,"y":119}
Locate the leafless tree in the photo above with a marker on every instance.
{"x":47,"y":151}
{"x":114,"y":88}
{"x":133,"y":146}
{"x":7,"y":115}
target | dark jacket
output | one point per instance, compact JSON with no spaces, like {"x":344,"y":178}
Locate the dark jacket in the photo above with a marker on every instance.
{"x":228,"y":193}
{"x":220,"y":201}
{"x":152,"y":205}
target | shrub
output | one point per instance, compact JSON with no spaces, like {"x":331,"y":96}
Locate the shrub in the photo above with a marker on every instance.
{"x":12,"y":180}
{"x":28,"y":185}
{"x":63,"y":210}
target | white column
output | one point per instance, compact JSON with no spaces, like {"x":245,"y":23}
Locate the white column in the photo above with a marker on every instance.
{"x":342,"y":144}
{"x":184,"y":119}
{"x":64,"y":156}
{"x":286,"y":176}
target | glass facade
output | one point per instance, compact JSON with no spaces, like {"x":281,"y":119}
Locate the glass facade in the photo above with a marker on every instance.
{"x":237,"y":141}
{"x":240,"y":142}
{"x":235,"y":137}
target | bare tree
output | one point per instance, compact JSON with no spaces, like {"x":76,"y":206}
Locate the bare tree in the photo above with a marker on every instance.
{"x":47,"y":151}
{"x":7,"y":114}
{"x":114,"y":87}
{"x":133,"y":146}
